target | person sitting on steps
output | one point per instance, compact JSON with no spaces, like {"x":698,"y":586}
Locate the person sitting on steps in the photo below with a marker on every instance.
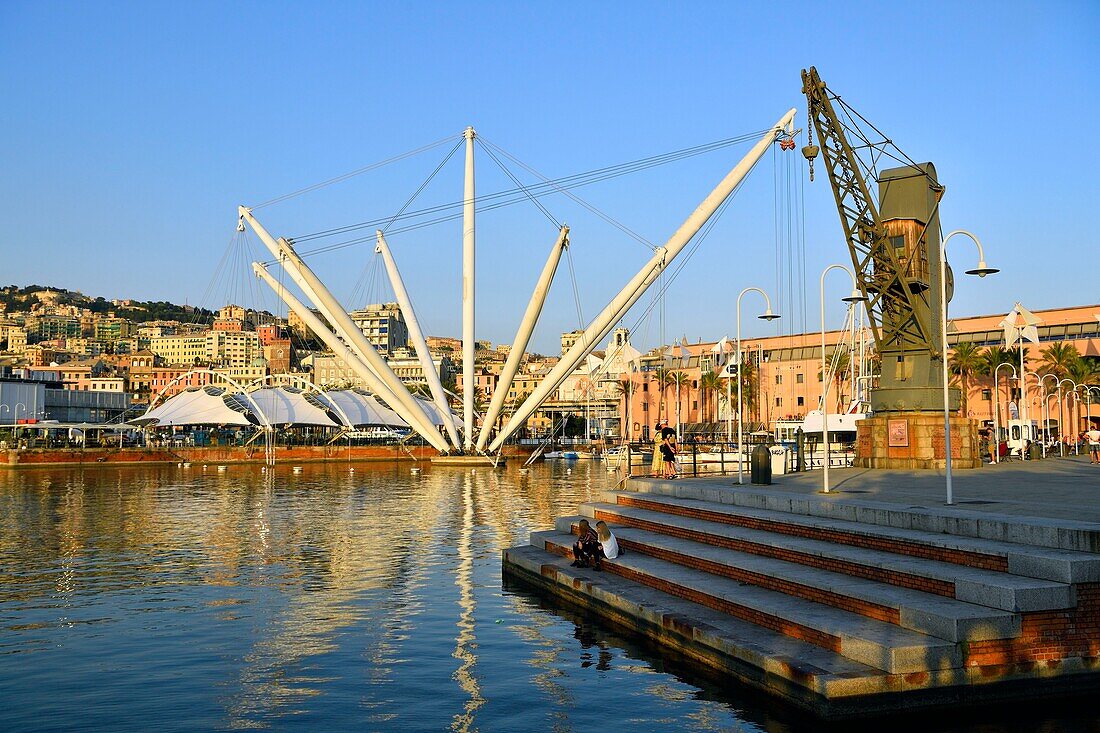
{"x":609,"y":546}
{"x":586,"y":550}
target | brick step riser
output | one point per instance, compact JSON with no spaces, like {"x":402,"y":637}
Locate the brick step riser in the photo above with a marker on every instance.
{"x":891,"y":577}
{"x":809,"y":593}
{"x":774,"y":623}
{"x":854,"y":539}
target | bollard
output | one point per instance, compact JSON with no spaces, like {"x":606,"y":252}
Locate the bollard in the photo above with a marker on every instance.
{"x":761,"y":465}
{"x":800,"y":451}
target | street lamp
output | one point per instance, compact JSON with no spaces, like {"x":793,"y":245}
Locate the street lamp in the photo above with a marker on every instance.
{"x":767,"y":315}
{"x":855,"y":297}
{"x":997,"y":407}
{"x":1088,"y":404}
{"x":981,"y":271}
{"x":1046,"y":408}
{"x":1061,"y":409}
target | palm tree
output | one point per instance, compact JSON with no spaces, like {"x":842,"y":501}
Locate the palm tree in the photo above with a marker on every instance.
{"x":1059,"y":359}
{"x":625,"y":389}
{"x":843,"y":360}
{"x":1084,"y":371}
{"x":678,"y":380}
{"x":995,"y":355}
{"x":966,"y":360}
{"x":709,"y":386}
{"x":664,"y":381}
{"x":748,"y":384}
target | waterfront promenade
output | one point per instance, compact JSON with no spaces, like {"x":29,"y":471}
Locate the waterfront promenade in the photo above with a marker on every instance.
{"x":1054,"y":488}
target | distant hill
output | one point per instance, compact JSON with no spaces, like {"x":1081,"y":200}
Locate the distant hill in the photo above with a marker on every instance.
{"x":17,"y":298}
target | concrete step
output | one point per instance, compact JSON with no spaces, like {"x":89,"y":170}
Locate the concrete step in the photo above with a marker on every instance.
{"x":937,"y":616}
{"x":1063,"y":566}
{"x":865,"y":640}
{"x":989,"y":588}
{"x":1032,"y":531}
{"x":768,"y":659}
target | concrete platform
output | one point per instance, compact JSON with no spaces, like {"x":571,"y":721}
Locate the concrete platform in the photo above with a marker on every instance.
{"x":467,"y":461}
{"x":888,"y":598}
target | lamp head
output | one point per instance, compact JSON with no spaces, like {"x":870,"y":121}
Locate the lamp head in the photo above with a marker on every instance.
{"x":768,"y":315}
{"x":982,"y":270}
{"x":855,"y":297}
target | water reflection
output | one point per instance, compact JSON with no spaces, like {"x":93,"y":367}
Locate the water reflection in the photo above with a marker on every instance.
{"x":327,"y":599}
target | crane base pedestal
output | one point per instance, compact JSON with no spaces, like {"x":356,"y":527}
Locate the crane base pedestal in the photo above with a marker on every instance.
{"x":915,"y":440}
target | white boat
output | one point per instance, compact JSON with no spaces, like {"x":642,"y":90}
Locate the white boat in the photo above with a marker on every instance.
{"x":569,"y":455}
{"x":839,"y":422}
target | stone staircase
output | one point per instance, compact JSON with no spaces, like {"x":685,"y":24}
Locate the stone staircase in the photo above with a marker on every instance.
{"x":845,"y":607}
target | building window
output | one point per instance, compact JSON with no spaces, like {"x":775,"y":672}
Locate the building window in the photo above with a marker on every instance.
{"x":779,"y":379}
{"x":799,"y":378}
{"x":778,"y":401}
{"x":987,"y":395}
{"x":801,"y":401}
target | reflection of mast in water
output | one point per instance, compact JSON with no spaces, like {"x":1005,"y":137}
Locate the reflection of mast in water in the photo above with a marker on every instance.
{"x":466,"y":642}
{"x":353,"y":554}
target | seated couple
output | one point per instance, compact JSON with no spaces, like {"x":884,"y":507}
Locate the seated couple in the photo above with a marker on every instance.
{"x":592,"y":546}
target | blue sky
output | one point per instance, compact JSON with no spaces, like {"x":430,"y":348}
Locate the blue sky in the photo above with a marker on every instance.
{"x":130,"y":132}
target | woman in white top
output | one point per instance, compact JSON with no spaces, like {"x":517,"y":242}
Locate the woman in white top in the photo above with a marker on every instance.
{"x":607,"y":541}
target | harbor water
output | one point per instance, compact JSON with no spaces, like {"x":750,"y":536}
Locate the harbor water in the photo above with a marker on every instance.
{"x":341,"y":597}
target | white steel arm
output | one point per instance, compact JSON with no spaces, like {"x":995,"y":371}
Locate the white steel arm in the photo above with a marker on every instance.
{"x":417,"y":338}
{"x":645,"y":277}
{"x":523,"y":336}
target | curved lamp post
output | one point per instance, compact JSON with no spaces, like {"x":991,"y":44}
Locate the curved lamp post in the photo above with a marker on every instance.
{"x":1061,"y":410}
{"x":981,"y":271}
{"x":1088,"y":403}
{"x":855,"y":297}
{"x":767,"y":315}
{"x":997,"y":407}
{"x":1046,"y":408}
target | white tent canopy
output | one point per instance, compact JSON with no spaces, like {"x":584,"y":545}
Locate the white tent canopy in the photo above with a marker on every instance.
{"x":434,"y":413}
{"x":195,"y":406}
{"x":283,"y":406}
{"x":280,"y":405}
{"x":362,"y":408}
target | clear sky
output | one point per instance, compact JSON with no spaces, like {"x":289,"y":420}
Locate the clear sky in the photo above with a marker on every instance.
{"x":130,"y":132}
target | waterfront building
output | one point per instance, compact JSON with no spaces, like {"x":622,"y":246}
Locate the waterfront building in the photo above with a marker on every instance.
{"x":782,"y":374}
{"x":43,"y":397}
{"x":221,"y":348}
{"x":384,"y":326}
{"x":406,"y":365}
{"x":162,"y":379}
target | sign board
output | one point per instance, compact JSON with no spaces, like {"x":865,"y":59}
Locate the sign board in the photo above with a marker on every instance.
{"x":897,"y":433}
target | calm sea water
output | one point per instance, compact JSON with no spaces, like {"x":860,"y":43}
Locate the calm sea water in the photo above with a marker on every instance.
{"x":169,"y":599}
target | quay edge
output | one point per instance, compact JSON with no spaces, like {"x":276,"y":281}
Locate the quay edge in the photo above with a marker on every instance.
{"x":859,"y":631}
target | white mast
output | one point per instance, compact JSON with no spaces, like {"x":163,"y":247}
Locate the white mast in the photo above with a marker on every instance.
{"x":468,"y":264}
{"x":523,"y":336}
{"x":417,"y":338}
{"x":645,"y":277}
{"x":413,"y":412}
